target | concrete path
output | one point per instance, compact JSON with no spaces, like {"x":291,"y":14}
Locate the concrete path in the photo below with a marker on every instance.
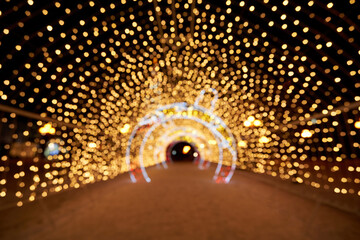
{"x":180,"y":203}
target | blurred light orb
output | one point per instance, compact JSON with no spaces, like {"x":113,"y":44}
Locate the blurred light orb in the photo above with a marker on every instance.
{"x":306,"y":133}
{"x":47,"y":129}
{"x":92,"y":145}
{"x":264,"y":139}
{"x":125,"y":128}
{"x":242,"y":144}
{"x":357,"y":124}
{"x":186,"y":149}
{"x":247,"y":123}
{"x":257,"y":123}
{"x":251,"y":119}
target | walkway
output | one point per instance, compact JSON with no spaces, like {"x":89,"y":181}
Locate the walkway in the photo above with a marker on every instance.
{"x":180,"y":203}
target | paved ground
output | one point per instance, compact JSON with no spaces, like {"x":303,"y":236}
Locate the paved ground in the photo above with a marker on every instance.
{"x":180,"y":203}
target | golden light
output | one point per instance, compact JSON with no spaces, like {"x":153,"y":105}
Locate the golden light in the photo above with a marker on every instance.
{"x":125,"y":128}
{"x":96,"y":81}
{"x":299,"y":180}
{"x":212,"y":142}
{"x":357,"y":124}
{"x":52,"y":131}
{"x":306,"y":133}
{"x":264,"y":139}
{"x":251,"y":119}
{"x":242,"y":144}
{"x":186,"y":149}
{"x":47,"y":129}
{"x":51,"y":145}
{"x":247,"y":123}
{"x":92,"y":145}
{"x":257,"y":123}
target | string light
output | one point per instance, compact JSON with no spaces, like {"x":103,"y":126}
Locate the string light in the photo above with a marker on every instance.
{"x":96,"y":69}
{"x":47,"y":129}
{"x":306,"y":133}
{"x":251,"y":121}
{"x":264,"y":139}
{"x":125,"y":128}
{"x":257,"y":123}
{"x":242,"y":144}
{"x":186,"y":149}
{"x":357,"y":124}
{"x":92,"y":145}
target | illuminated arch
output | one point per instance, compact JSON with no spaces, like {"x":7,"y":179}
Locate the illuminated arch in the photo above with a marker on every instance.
{"x":179,"y":132}
{"x":213,"y":123}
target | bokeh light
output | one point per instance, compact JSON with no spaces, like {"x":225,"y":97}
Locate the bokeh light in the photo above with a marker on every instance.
{"x":82,"y":74}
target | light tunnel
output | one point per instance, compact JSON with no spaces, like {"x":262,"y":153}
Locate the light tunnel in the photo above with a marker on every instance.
{"x":173,"y":115}
{"x":94,"y":90}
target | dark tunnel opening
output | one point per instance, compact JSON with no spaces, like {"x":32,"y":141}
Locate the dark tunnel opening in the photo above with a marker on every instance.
{"x":182,"y":152}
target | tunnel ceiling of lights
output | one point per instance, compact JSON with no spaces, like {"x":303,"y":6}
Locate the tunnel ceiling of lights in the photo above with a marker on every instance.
{"x":77,"y":77}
